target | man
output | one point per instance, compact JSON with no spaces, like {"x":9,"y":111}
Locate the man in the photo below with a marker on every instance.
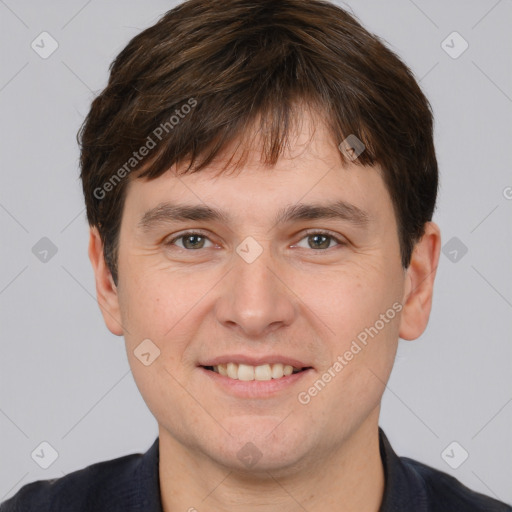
{"x":260,"y":179}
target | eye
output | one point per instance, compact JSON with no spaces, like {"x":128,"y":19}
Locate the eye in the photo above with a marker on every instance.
{"x":191,"y":240}
{"x":321,"y":240}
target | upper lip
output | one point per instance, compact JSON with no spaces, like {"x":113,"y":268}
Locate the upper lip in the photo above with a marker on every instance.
{"x":254,"y":361}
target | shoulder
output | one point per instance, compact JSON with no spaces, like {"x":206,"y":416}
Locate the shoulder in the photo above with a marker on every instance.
{"x":98,"y":487}
{"x":412,"y":485}
{"x":446,"y":493}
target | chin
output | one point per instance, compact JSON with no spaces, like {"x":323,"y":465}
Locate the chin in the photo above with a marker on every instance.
{"x":261,"y":445}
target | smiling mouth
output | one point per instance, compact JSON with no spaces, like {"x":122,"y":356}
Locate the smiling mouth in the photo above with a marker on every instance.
{"x":262,"y":372}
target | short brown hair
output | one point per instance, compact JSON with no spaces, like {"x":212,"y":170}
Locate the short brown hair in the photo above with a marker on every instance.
{"x":233,"y":61}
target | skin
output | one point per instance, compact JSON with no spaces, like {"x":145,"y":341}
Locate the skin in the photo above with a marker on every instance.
{"x":295,"y":299}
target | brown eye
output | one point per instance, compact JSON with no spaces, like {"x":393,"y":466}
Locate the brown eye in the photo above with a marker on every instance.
{"x":193,"y":241}
{"x":321,"y":240}
{"x":190,"y":241}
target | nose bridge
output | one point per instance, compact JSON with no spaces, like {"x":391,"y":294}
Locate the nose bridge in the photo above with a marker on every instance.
{"x":254,"y":279}
{"x":254,"y":298}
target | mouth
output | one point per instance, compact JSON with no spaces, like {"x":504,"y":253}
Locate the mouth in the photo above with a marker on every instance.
{"x":262,"y":372}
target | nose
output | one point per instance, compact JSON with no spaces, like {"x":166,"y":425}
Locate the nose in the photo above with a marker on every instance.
{"x":254,"y":298}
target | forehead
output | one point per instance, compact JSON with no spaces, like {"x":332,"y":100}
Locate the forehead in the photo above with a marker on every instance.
{"x":309,"y":171}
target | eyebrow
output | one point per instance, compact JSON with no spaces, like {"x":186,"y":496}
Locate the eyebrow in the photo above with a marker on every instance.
{"x":170,"y":212}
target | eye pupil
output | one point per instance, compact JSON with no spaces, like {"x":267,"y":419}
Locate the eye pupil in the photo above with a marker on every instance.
{"x":323,"y":245}
{"x":194,"y":245}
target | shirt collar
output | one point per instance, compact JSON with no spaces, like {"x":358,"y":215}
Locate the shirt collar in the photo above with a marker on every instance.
{"x":148,"y":481}
{"x":404,"y":489}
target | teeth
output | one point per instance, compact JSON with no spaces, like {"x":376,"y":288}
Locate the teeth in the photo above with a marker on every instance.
{"x":232,"y":370}
{"x":277,"y":371}
{"x":263,"y":372}
{"x":247,"y":372}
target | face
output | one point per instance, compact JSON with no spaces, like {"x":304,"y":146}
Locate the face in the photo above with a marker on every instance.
{"x":261,"y":283}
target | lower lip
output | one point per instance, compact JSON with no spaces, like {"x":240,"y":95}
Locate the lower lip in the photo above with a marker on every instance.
{"x":255,"y":388}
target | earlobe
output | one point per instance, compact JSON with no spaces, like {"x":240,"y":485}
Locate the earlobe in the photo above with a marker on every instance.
{"x":106,"y":290}
{"x":419,"y":283}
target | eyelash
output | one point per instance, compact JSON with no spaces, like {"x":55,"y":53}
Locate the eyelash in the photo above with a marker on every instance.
{"x":306,"y":234}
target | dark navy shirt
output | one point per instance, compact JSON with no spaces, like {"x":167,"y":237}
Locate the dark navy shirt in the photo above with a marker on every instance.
{"x":130,"y":483}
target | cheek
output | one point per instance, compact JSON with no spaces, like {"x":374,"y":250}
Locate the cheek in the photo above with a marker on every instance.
{"x":147,"y":308}
{"x":349,"y":299}
{"x":361,"y":309}
{"x":361,"y":340}
{"x":165,"y":307}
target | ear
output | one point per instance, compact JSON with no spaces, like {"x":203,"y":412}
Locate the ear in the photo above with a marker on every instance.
{"x":106,"y":290}
{"x":419,"y":283}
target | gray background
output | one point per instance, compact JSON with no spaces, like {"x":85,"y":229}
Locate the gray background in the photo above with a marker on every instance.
{"x":65,"y":379}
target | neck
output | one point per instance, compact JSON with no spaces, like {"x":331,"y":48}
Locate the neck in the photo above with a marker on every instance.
{"x":349,"y":478}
